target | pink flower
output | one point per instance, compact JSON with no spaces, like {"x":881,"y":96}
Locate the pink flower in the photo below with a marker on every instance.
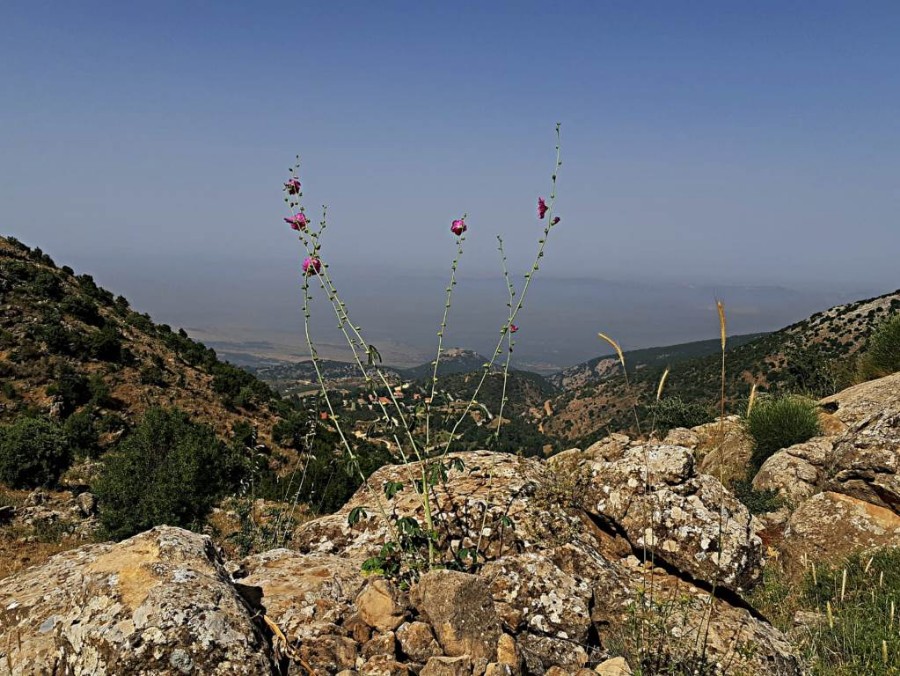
{"x":311,"y":266}
{"x":292,"y":186}
{"x":297,"y":221}
{"x":542,"y":207}
{"x":555,"y":220}
{"x":513,"y":328}
{"x":458,"y":227}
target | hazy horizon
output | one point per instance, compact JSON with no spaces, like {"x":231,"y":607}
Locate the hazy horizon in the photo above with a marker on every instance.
{"x":708,"y":150}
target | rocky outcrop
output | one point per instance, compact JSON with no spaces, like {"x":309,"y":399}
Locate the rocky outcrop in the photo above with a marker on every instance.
{"x":558,"y":582}
{"x":159,"y":603}
{"x":797,"y":472}
{"x":654,"y":495}
{"x":722,"y":448}
{"x":830,"y":527}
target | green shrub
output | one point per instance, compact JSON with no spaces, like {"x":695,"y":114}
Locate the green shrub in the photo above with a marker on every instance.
{"x":81,"y":435}
{"x":674,"y":412}
{"x":72,"y":387}
{"x":881,"y":356}
{"x":33,"y":452}
{"x":170,"y":470}
{"x":778,"y":423}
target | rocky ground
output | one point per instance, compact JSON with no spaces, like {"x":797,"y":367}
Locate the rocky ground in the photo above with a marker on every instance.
{"x":625,"y":552}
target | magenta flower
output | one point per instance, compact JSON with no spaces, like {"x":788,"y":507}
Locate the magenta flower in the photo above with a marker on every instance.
{"x":555,"y":220}
{"x":297,"y":221}
{"x":513,"y":328}
{"x":311,"y":266}
{"x":292,"y":186}
{"x":458,"y":227}
{"x":542,"y":207}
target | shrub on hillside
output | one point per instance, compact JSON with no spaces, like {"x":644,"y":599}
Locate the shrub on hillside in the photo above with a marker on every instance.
{"x":170,"y":470}
{"x":778,"y":423}
{"x":881,"y":356}
{"x":672,"y":412}
{"x":33,"y":452}
{"x":81,"y":435}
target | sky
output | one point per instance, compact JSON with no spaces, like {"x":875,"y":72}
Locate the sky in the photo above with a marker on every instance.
{"x":703,"y":143}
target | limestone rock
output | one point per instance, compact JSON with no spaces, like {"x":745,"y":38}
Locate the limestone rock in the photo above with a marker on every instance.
{"x":796,"y":472}
{"x":448,"y":666}
{"x":305,"y":595}
{"x":830,"y":526}
{"x":616,"y":666}
{"x":158,"y":603}
{"x":723,"y":449}
{"x":417,"y":641}
{"x":381,"y":605}
{"x":866,"y":460}
{"x":530,"y":592}
{"x":460,"y":610}
{"x":654,"y":495}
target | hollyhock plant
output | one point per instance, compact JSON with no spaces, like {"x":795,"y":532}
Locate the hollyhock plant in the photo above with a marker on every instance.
{"x":297,"y":221}
{"x":542,"y":208}
{"x":292,"y":186}
{"x":311,"y":266}
{"x":458,"y":227}
{"x":513,"y":328}
{"x":555,"y":220}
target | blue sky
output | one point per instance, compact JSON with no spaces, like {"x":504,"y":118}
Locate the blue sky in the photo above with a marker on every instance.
{"x":713,"y":142}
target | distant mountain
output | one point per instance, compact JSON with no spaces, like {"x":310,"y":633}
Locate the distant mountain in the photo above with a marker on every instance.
{"x":607,"y":366}
{"x":453,"y":360}
{"x":815,"y":356}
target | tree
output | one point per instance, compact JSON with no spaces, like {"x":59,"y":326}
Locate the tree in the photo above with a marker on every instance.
{"x":170,"y":470}
{"x":33,"y":452}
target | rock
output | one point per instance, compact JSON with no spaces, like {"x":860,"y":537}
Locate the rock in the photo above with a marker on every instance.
{"x":507,"y":653}
{"x":654,"y":495}
{"x":37,"y":497}
{"x":829,"y":527}
{"x":417,"y":641}
{"x":541,"y":653}
{"x":608,"y":449}
{"x":382,"y":665}
{"x":796,"y":472}
{"x":496,"y":669}
{"x":725,"y":458}
{"x":158,"y":603}
{"x":307,"y":596}
{"x":682,"y":436}
{"x":460,"y":611}
{"x":382,"y":644}
{"x":329,"y":652}
{"x":616,"y":666}
{"x":558,"y":671}
{"x":86,"y":504}
{"x":381,"y":605}
{"x":448,"y":666}
{"x":866,"y":460}
{"x":531,"y":593}
{"x":856,"y":404}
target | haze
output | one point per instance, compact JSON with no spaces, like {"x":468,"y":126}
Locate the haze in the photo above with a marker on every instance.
{"x":750,"y":152}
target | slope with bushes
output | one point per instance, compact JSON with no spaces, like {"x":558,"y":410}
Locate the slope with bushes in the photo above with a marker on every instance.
{"x":817,"y":356}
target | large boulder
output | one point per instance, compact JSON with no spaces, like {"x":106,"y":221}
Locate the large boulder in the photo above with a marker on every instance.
{"x":654,"y":495}
{"x":158,"y":603}
{"x":829,"y":527}
{"x":460,"y":610}
{"x":797,"y":472}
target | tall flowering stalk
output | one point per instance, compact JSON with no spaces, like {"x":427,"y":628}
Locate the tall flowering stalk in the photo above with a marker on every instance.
{"x":545,"y":213}
{"x":431,"y":469}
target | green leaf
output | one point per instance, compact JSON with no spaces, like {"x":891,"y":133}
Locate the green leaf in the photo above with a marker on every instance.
{"x":391,"y":488}
{"x":457,"y":464}
{"x":356,"y":514}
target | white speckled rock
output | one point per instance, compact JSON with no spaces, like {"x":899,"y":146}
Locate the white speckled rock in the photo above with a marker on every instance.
{"x":158,"y":603}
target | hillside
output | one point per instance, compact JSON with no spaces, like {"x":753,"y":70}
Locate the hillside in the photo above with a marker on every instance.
{"x":453,"y":360}
{"x":815,"y":356}
{"x":69,"y":347}
{"x":607,"y":366}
